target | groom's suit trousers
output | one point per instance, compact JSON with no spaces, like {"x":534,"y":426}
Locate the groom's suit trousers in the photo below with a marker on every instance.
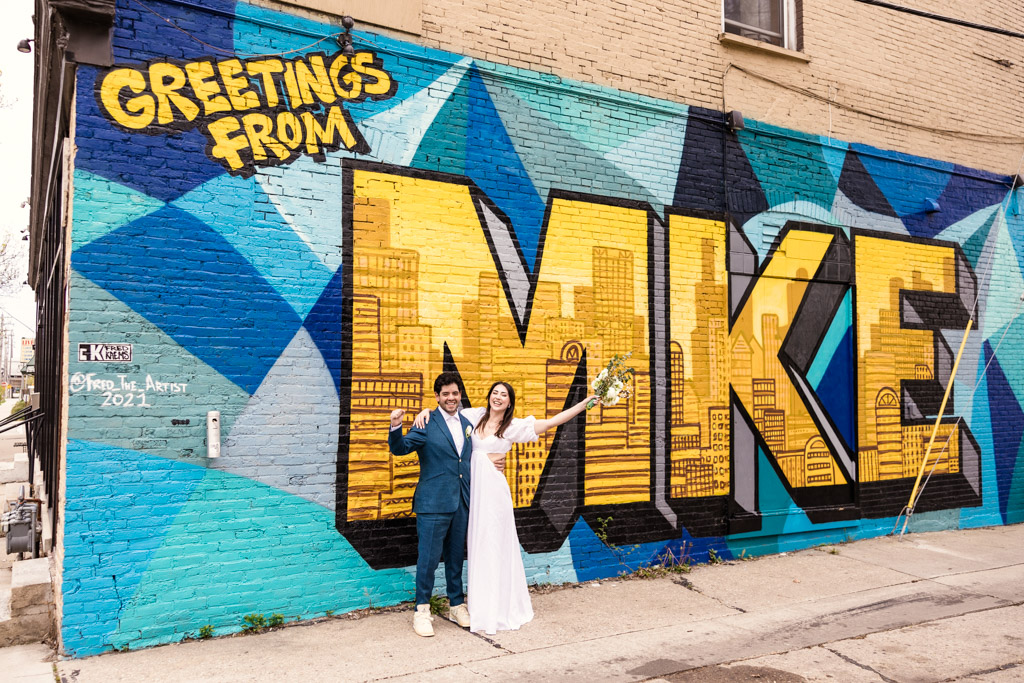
{"x":441,"y":534}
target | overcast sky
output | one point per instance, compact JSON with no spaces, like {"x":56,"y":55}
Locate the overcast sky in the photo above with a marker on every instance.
{"x":15,"y":151}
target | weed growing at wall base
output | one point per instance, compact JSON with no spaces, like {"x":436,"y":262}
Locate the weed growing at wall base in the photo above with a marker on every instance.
{"x":254,"y":623}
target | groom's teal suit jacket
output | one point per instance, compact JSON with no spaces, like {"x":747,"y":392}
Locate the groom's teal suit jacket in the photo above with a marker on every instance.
{"x":444,"y":471}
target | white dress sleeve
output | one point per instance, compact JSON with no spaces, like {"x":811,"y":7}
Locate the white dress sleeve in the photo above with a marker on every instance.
{"x":521,"y":430}
{"x":473,"y":414}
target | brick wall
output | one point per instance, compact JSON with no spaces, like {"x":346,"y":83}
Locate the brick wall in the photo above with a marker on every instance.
{"x":894,"y":77}
{"x":302,"y":241}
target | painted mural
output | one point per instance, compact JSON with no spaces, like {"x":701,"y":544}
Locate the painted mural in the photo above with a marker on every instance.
{"x":302,"y":240}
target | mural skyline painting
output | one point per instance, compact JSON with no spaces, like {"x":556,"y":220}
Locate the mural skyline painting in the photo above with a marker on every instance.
{"x":305,"y":258}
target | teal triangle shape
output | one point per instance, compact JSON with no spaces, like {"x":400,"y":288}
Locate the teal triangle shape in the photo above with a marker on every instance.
{"x":96,"y":315}
{"x":975,"y":244}
{"x":1001,"y":284}
{"x":591,"y":114}
{"x":285,"y":539}
{"x":771,"y":492}
{"x":834,"y":153}
{"x":652,"y":158}
{"x":964,"y":228}
{"x":841,"y":322}
{"x":97,"y":584}
{"x":443,"y":146}
{"x":102,"y":206}
{"x":789,"y":166}
{"x":591,"y":172}
{"x":981,"y":427}
{"x":776,"y":506}
{"x":314,"y":214}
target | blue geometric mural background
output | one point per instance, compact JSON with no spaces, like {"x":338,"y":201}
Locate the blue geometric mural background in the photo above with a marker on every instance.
{"x":231,"y":291}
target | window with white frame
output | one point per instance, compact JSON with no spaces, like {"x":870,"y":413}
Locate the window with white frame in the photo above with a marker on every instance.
{"x":769,"y":21}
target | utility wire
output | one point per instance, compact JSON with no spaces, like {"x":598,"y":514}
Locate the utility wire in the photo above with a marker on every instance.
{"x":170,"y":23}
{"x":982,"y":137}
{"x":942,"y":18}
{"x":27,"y":327}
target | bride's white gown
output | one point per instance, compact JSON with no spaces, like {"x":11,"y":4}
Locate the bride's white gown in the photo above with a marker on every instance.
{"x":498,"y":597}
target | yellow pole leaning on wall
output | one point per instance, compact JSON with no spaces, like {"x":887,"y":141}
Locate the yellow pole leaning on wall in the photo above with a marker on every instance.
{"x":935,"y":428}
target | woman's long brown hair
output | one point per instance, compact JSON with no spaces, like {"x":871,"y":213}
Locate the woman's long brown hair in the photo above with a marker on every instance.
{"x":506,"y":419}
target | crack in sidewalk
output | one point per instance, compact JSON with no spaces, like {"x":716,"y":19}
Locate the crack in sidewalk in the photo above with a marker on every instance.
{"x":994,"y":669}
{"x":858,"y":664}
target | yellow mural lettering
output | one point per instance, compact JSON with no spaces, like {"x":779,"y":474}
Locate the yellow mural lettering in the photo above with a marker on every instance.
{"x":376,"y":81}
{"x":291,"y":86}
{"x":237,"y":85}
{"x":891,"y":353}
{"x":312,"y":79}
{"x":137,"y":112}
{"x":265,"y":70}
{"x":758,"y":378}
{"x":215,"y":96}
{"x":327,"y":135}
{"x":227,"y":146}
{"x":289,"y":129}
{"x":409,"y":301}
{"x":258,"y":129}
{"x":699,"y":363}
{"x":202,"y":80}
{"x":165,"y":81}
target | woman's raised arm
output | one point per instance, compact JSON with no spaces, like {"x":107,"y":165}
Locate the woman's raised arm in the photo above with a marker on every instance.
{"x":541,"y":426}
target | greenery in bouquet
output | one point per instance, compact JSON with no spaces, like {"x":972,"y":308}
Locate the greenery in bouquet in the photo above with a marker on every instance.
{"x":612,"y":383}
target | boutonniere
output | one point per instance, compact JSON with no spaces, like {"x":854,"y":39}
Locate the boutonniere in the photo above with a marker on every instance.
{"x":469,"y":431}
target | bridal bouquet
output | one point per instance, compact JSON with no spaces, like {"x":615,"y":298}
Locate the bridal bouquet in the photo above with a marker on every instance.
{"x":613,"y":382}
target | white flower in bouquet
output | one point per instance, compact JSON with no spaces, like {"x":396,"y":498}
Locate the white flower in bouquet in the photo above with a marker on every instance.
{"x":611,"y":383}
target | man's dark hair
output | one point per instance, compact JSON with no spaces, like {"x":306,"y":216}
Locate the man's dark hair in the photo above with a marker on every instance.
{"x":446,"y":378}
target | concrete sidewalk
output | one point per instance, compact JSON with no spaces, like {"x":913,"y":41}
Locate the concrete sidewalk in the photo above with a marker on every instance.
{"x":943,"y":606}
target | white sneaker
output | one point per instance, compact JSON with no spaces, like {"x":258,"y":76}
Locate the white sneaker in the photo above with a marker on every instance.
{"x":460,"y":615}
{"x":421,"y":619}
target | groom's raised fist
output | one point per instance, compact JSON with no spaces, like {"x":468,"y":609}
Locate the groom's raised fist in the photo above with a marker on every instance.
{"x":396,"y":417}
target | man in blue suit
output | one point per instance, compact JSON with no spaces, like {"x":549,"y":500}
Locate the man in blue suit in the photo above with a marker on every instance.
{"x":441,"y":501}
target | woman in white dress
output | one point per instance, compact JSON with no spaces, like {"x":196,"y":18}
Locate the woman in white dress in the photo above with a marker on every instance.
{"x":498,"y":597}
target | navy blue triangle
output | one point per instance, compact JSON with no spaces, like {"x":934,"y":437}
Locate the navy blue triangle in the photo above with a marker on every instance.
{"x":967,"y":192}
{"x":140,"y":35}
{"x":856,"y":183}
{"x":180,"y":163}
{"x":700,"y":184}
{"x":324,"y":324}
{"x":494,"y":165}
{"x":834,"y":390}
{"x":181,"y":275}
{"x":1005,"y":438}
{"x":164,"y":166}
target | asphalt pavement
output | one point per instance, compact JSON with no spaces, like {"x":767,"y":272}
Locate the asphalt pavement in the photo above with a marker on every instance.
{"x":943,"y":606}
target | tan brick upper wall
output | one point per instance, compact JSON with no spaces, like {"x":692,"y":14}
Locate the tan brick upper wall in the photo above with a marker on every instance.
{"x":891,"y":75}
{"x":896,"y":80}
